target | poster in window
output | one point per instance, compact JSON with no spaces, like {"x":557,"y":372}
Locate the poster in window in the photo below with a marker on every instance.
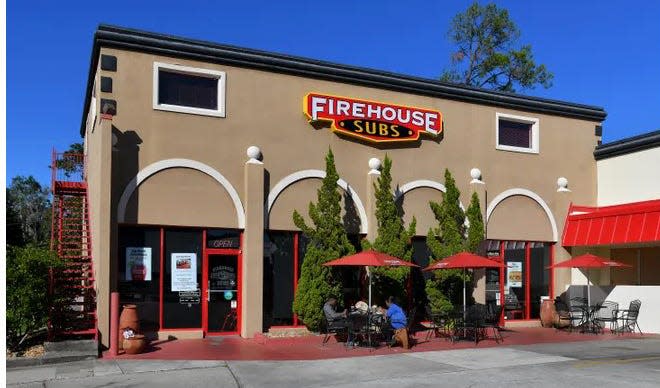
{"x":184,"y":271}
{"x":514,"y":273}
{"x":138,"y":264}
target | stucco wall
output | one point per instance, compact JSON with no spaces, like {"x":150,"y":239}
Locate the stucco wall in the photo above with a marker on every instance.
{"x":264,"y":109}
{"x":629,"y":178}
{"x":519,"y":218}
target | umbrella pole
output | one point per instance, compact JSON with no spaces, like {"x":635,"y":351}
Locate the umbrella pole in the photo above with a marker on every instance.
{"x":464,"y":314}
{"x":369,"y":275}
{"x":463,"y":294}
{"x":588,"y":290}
{"x":369,"y":309}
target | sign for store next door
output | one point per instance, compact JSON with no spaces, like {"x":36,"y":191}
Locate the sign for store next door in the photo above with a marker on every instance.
{"x":372,"y":121}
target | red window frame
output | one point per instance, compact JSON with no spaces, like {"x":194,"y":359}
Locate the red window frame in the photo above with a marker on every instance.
{"x":205,"y":251}
{"x":205,"y":274}
{"x":551,"y":288}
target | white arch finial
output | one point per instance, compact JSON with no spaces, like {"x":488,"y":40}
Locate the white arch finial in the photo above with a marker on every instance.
{"x":161,"y":165}
{"x":314,"y":174}
{"x":526,"y":193}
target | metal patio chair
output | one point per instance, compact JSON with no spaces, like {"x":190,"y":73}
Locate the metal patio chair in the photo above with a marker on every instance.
{"x":492,"y":321}
{"x":574,"y":315}
{"x":606,"y":315}
{"x":328,"y":329}
{"x":626,"y":320}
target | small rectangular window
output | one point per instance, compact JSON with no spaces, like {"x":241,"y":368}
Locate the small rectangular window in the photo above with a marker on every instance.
{"x":516,"y":133}
{"x":189,"y":90}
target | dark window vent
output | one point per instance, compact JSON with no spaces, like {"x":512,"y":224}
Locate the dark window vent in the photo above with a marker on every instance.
{"x":108,"y":63}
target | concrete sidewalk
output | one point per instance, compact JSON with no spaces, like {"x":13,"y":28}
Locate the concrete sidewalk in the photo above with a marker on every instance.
{"x":589,"y":363}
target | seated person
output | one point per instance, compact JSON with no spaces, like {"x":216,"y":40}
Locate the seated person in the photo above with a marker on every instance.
{"x":330,"y":311}
{"x":398,"y":321}
{"x":336,"y":319}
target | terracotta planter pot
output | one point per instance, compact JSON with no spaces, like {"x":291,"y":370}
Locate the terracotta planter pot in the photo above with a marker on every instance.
{"x":548,"y":313}
{"x":128,"y":320}
{"x":135,"y":344}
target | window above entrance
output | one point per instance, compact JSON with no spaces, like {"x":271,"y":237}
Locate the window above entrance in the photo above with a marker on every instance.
{"x":517,"y":133}
{"x":187,"y":89}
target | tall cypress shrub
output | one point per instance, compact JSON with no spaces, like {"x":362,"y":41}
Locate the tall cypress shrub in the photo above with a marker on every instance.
{"x":327,"y":241}
{"x":475,"y":233}
{"x":392,"y":237}
{"x":444,"y":287}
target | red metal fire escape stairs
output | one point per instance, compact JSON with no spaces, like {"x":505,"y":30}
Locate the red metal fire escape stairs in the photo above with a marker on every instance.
{"x":72,"y":287}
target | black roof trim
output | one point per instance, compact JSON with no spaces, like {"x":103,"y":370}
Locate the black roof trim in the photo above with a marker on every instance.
{"x":628,"y":145}
{"x":136,"y":40}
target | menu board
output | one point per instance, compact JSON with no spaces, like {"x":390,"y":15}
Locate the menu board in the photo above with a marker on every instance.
{"x":184,"y":271}
{"x":514,"y":274}
{"x":138,"y":264}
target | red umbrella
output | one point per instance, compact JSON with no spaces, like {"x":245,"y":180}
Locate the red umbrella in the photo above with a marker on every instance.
{"x":589,"y":261}
{"x":464,"y":260}
{"x":370,"y":258}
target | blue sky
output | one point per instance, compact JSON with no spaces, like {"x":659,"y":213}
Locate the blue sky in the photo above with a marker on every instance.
{"x":603,"y":53}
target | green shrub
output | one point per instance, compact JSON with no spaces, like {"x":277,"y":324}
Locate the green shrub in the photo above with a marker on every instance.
{"x":392,"y":238}
{"x":327,"y":241}
{"x":447,"y":239}
{"x":28,"y":300}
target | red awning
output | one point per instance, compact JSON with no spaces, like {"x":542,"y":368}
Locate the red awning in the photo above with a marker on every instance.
{"x":637,"y":222}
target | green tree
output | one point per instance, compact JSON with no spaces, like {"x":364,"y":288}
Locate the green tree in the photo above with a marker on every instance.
{"x":327,"y":241}
{"x":444,"y":288}
{"x":29,"y":205}
{"x":28,"y":299}
{"x":71,"y":161}
{"x":392,"y":237}
{"x":476,"y":231}
{"x":488,"y":54}
{"x":13,"y":223}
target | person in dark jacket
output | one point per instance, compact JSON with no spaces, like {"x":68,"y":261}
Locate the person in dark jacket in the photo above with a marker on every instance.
{"x":337,"y":319}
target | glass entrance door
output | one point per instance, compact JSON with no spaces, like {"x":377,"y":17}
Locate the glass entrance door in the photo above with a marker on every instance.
{"x":222,"y":293}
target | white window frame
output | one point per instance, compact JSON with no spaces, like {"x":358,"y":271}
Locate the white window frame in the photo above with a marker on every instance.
{"x":221,"y":77}
{"x":521,"y":119}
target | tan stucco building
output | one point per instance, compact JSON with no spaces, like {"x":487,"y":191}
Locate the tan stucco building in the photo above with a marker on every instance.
{"x":197,"y":154}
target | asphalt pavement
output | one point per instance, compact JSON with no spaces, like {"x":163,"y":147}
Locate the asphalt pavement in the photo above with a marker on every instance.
{"x":597,"y":364}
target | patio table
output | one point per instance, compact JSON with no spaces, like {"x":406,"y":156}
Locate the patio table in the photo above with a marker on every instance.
{"x":365,"y":326}
{"x":589,"y":323}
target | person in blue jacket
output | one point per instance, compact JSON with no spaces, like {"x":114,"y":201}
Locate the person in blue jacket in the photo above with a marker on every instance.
{"x":396,"y":317}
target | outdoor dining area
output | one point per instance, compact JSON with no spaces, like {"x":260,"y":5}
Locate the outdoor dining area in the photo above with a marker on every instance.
{"x":368,"y":325}
{"x":365,"y":324}
{"x":583,"y":315}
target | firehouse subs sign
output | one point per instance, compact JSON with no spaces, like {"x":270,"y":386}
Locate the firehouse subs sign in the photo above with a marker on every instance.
{"x":372,"y":121}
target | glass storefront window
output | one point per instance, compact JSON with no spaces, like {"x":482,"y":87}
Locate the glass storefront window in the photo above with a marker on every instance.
{"x":181,"y":288}
{"x":139,"y":273}
{"x":492,"y":251}
{"x":514,"y":280}
{"x":278,"y":291}
{"x":539,"y":276}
